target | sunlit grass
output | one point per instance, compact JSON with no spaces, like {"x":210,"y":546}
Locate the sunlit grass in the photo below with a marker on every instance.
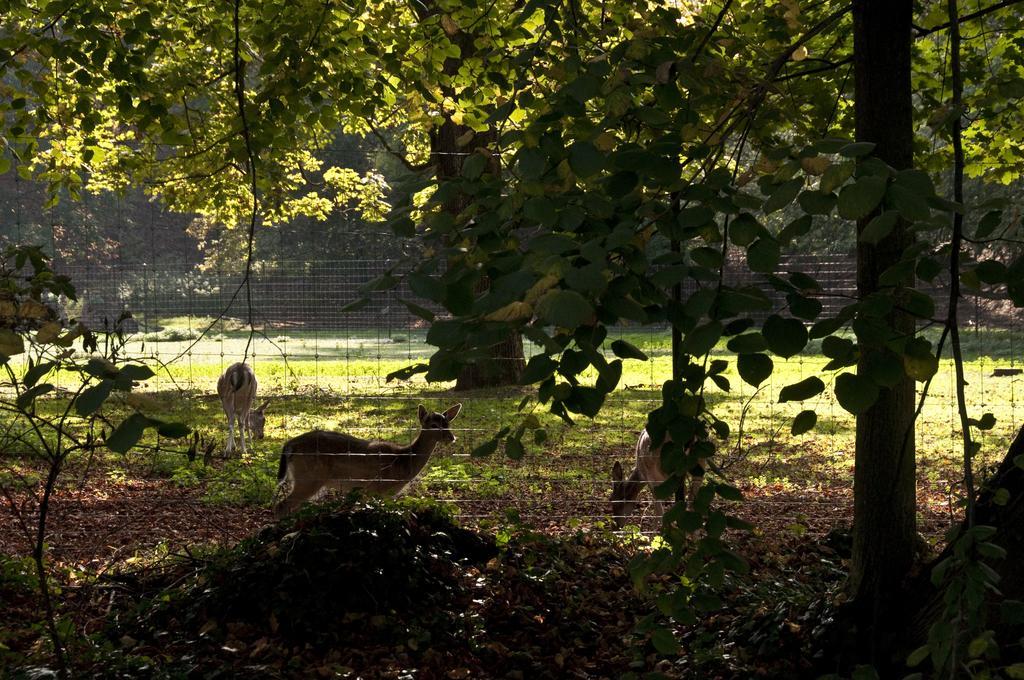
{"x":339,"y":382}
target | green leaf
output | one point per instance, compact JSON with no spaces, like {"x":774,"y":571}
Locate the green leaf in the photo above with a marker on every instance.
{"x":585,"y":160}
{"x":1015,"y":671}
{"x":564,"y":308}
{"x":26,"y":398}
{"x":426,"y":287}
{"x":763,"y":255}
{"x":795,"y":229}
{"x":857,"y":149}
{"x":783,"y":195}
{"x":911,"y":205}
{"x":10,"y":343}
{"x":702,"y":339}
{"x":474,"y":165}
{"x":485,"y":449}
{"x":921,"y":367}
{"x":977,"y":647}
{"x":918,"y":655}
{"x":864,"y":673}
{"x":804,"y":422}
{"x":855,"y":393}
{"x":835,"y":176}
{"x":173,"y":430}
{"x":804,"y":307}
{"x":625,"y":350}
{"x":33,"y":374}
{"x":514,"y":448}
{"x":879,"y":227}
{"x":135,"y":372}
{"x":406,"y":372}
{"x":988,"y":224}
{"x":664,"y":641}
{"x":695,"y":216}
{"x":538,"y":368}
{"x":531,"y":163}
{"x":803,"y":390}
{"x":748,"y":343}
{"x":609,"y":376}
{"x":585,"y":400}
{"x":785,"y":337}
{"x":817,"y":203}
{"x":542,"y":210}
{"x":744,"y":229}
{"x":446,"y":333}
{"x":991,"y":272}
{"x":986,"y":422}
{"x":92,"y":398}
{"x":754,"y":368}
{"x":128,"y":433}
{"x":355,"y":305}
{"x":417,"y":310}
{"x":884,"y":368}
{"x":857,"y":200}
{"x":589,"y":279}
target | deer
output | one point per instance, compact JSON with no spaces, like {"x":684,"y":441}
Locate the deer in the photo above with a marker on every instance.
{"x":237,"y":389}
{"x":648,"y":470}
{"x":318,"y":460}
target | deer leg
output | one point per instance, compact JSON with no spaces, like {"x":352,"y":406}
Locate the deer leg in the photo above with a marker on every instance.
{"x":302,"y":490}
{"x":695,"y":482}
{"x":659,"y":509}
{"x":230,"y":448}
{"x":242,"y":418}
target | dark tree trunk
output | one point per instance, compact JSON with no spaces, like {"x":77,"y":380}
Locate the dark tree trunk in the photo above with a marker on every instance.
{"x":505,"y":363}
{"x":924,"y":600}
{"x":884,"y":480}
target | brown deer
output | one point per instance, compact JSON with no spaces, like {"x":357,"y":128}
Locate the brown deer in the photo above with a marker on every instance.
{"x":237,"y":389}
{"x":625,"y":491}
{"x":319,"y":459}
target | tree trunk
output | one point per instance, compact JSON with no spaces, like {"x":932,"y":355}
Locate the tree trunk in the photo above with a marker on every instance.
{"x":505,"y":363}
{"x":884,"y":479}
{"x":925,"y":601}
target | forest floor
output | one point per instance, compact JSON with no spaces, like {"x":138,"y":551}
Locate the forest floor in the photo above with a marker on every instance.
{"x":545,"y":601}
{"x":397,"y":590}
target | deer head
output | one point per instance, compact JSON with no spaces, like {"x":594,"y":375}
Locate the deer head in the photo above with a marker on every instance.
{"x":439,"y":424}
{"x":258,"y":421}
{"x":624,"y":495}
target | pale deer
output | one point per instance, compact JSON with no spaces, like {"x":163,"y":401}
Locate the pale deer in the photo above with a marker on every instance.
{"x":237,"y":389}
{"x":332,"y":460}
{"x":257,"y":421}
{"x":625,"y":491}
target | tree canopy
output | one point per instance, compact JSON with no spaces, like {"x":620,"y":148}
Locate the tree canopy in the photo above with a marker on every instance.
{"x":569,"y":167}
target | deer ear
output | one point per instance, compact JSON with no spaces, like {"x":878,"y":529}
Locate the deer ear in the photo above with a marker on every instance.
{"x":263,"y":406}
{"x":453,"y":412}
{"x":422,"y":413}
{"x":617,"y":472}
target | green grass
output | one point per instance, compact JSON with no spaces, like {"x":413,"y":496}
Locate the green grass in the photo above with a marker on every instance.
{"x":338,"y":381}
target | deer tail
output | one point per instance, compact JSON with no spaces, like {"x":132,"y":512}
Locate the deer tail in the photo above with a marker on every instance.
{"x":238,"y":378}
{"x":282,"y":467}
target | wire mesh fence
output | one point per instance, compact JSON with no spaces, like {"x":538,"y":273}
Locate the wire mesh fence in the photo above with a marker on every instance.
{"x":324,"y":366}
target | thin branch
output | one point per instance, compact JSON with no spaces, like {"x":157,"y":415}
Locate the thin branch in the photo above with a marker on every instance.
{"x":409,"y":165}
{"x":829,"y":66}
{"x":954,"y":256}
{"x":921,"y":32}
{"x":714,"y":27}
